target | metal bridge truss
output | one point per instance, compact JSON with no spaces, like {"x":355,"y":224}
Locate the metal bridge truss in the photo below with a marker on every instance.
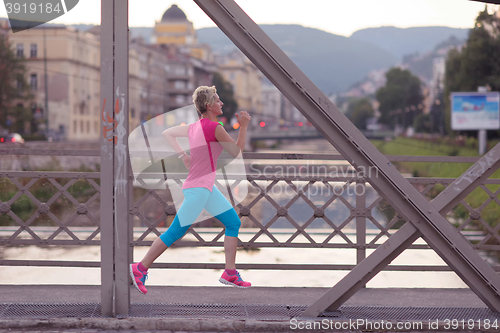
{"x":425,"y":219}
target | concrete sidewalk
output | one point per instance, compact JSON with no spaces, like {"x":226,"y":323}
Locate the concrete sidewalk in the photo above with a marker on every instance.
{"x":368,"y":299}
{"x":397,"y":297}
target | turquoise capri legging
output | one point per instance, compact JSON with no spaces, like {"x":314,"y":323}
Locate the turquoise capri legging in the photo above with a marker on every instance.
{"x":195,"y":199}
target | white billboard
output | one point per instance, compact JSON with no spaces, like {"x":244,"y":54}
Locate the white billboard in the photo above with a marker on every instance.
{"x":475,"y":111}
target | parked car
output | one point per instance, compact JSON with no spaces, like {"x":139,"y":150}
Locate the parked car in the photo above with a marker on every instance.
{"x":15,"y":138}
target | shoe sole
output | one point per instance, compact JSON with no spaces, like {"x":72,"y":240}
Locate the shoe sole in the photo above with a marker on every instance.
{"x":226,"y":282}
{"x":131,"y":270}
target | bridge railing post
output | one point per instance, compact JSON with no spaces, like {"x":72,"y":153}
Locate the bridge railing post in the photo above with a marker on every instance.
{"x":107,"y":171}
{"x":115,"y":186}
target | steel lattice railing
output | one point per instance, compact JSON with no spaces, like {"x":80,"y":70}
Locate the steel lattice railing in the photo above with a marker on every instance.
{"x":62,"y":208}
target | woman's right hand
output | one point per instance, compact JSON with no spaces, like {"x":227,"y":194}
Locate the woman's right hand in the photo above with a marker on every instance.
{"x":244,"y":119}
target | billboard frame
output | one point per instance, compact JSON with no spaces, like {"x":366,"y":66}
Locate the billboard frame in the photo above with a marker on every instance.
{"x":453,"y":96}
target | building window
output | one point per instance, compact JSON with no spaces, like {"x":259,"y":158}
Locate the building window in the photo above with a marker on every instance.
{"x":88,"y":126}
{"x":180,"y":71}
{"x":81,"y":126}
{"x":179,"y":99}
{"x":19,"y":84}
{"x":20,"y":51}
{"x":179,"y":85}
{"x":34,"y":82}
{"x":96,"y":127}
{"x":75,"y":126}
{"x":33,"y":51}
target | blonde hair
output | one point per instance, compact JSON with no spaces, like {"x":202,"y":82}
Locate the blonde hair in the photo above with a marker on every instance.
{"x":204,"y":96}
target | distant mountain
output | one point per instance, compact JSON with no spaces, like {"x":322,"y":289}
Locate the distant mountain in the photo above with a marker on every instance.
{"x":401,"y":42}
{"x":83,"y":27}
{"x":332,"y":62}
{"x":422,"y":64}
{"x":135,"y":32}
{"x":142,"y":32}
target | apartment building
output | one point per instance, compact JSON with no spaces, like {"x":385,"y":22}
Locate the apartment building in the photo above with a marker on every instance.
{"x":246,"y":80}
{"x":63,"y":68}
{"x":153,"y":82}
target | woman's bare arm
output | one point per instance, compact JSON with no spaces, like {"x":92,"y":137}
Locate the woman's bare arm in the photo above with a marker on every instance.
{"x":172,"y":134}
{"x":227,"y":141}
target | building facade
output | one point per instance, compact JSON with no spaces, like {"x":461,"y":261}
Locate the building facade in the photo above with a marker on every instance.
{"x":246,"y":80}
{"x":63,"y":68}
{"x":188,"y":63}
{"x":153,"y":79}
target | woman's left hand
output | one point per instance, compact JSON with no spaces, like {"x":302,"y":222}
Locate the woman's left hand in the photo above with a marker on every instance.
{"x":243,"y":119}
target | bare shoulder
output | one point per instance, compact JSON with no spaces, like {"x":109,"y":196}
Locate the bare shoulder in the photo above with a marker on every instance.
{"x":221,"y":135}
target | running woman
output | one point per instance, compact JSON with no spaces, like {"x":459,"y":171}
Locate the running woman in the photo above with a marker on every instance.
{"x":207,"y":139}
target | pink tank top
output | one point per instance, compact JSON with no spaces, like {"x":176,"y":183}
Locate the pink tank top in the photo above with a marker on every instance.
{"x":205,"y":150}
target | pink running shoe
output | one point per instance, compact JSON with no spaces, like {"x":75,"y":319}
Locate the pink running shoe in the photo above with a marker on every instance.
{"x":139,"y":278}
{"x":234,"y":280}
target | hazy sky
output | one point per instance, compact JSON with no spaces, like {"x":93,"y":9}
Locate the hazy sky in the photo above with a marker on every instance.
{"x":341,"y":17}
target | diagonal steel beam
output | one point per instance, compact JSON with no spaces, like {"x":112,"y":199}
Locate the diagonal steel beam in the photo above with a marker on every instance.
{"x":353,"y":145}
{"x":404,"y":237}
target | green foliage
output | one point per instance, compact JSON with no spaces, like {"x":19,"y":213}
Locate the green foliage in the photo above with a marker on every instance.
{"x":15,"y":95}
{"x":478,"y":63}
{"x":422,"y":123}
{"x":414,"y":147}
{"x":358,"y":111}
{"x":43,"y":190}
{"x":226,"y":95}
{"x":437,"y":114}
{"x":34,"y":137}
{"x":399,"y":98}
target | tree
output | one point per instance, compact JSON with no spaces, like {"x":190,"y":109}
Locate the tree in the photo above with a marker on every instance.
{"x":400,"y":99}
{"x":226,"y":95}
{"x":437,"y":112}
{"x":478,"y":63}
{"x":15,"y":94}
{"x":358,"y":111}
{"x":423,"y":123}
